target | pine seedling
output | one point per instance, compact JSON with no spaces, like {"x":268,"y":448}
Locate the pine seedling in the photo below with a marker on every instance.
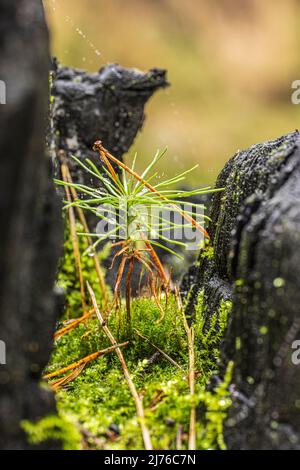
{"x":135,"y":212}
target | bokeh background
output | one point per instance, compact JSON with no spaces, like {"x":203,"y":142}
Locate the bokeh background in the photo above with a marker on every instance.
{"x":230,"y":62}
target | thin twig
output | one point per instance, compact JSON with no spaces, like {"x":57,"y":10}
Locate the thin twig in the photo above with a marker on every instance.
{"x":174,"y":363}
{"x":191,"y":339}
{"x":179,"y":437}
{"x":84,"y":360}
{"x":178,"y":299}
{"x":192,"y":430}
{"x":136,"y":397}
{"x":72,"y":219}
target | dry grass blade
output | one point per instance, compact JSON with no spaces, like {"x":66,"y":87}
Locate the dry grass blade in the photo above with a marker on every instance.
{"x":84,"y":223}
{"x":191,"y":340}
{"x":179,"y":437}
{"x":192,"y":430}
{"x":84,"y":360}
{"x":174,"y":363}
{"x":136,"y":397}
{"x":178,"y":299}
{"x":77,"y":321}
{"x":72,"y":219}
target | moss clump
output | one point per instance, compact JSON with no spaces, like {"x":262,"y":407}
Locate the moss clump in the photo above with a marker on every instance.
{"x":99,"y":397}
{"x":210,"y":332}
{"x":54,"y":428}
{"x":207,"y":252}
{"x":99,"y":400}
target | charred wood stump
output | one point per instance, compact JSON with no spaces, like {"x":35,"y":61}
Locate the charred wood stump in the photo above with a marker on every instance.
{"x":255,"y":235}
{"x":30,"y":235}
{"x":107,"y":106}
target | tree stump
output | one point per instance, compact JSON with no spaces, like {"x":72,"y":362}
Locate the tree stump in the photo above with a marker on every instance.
{"x":31,"y":232}
{"x":255,"y":235}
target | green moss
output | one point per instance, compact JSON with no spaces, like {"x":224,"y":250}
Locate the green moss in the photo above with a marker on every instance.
{"x":53,"y":428}
{"x":217,"y":404}
{"x":99,"y":397}
{"x":207,"y":252}
{"x":51,"y":97}
{"x":210,"y":332}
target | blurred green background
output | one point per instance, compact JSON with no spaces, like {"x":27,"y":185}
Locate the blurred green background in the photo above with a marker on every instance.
{"x":230,"y":62}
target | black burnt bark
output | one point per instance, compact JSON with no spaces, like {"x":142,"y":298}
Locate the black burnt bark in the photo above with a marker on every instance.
{"x":30,"y":233}
{"x":255,"y":233}
{"x":107,"y":106}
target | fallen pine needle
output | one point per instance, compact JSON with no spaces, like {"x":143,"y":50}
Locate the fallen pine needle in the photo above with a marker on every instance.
{"x":73,"y":324}
{"x":136,"y":397}
{"x":57,"y":384}
{"x":84,"y":360}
